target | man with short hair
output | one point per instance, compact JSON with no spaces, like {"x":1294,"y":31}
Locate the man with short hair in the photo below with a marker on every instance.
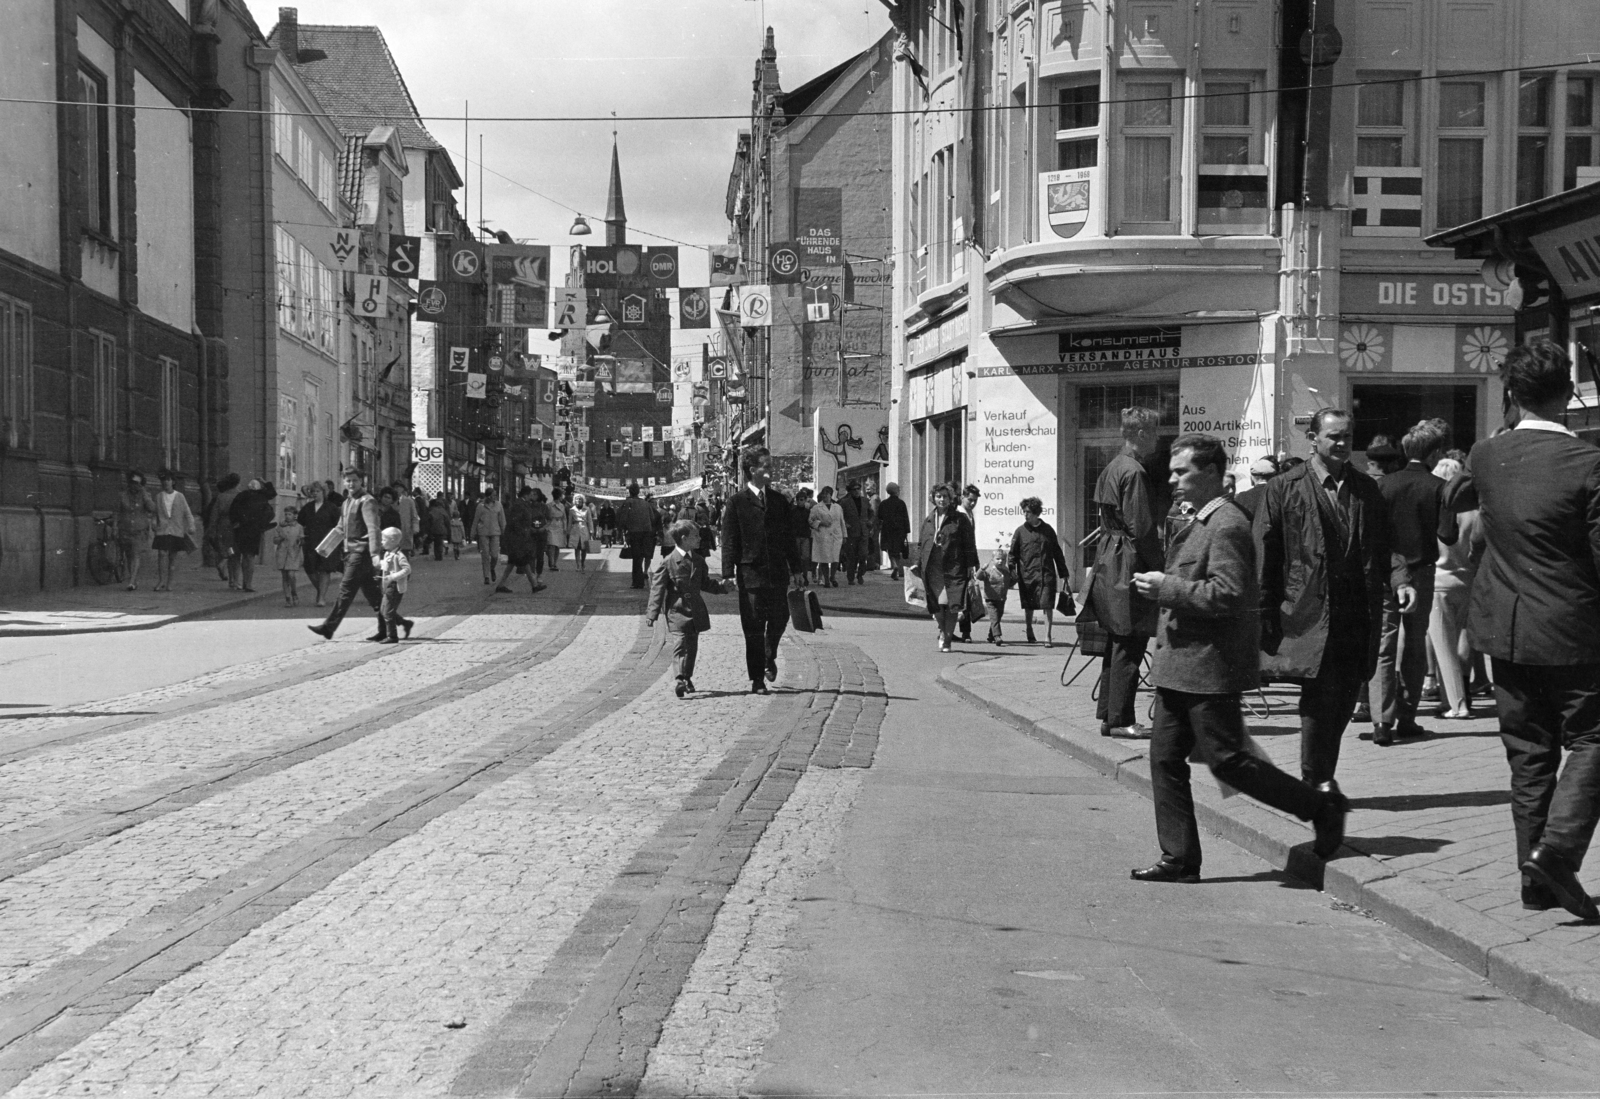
{"x":894,"y":527}
{"x":637,"y":521}
{"x":1262,"y":470}
{"x":1322,"y":547}
{"x":363,"y":546}
{"x":1130,"y":542}
{"x":759,"y":550}
{"x":1205,"y":658}
{"x":1535,"y":613}
{"x":857,"y":521}
{"x":1417,"y":524}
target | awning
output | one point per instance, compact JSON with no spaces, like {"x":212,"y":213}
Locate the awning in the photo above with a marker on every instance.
{"x":1480,"y":239}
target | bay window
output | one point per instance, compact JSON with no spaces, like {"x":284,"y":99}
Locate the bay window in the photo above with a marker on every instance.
{"x":1151,"y":125}
{"x":1078,"y":125}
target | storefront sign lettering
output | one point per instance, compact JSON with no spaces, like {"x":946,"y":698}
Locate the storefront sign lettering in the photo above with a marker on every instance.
{"x":1363,"y":293}
{"x":1572,"y":256}
{"x":942,"y":339}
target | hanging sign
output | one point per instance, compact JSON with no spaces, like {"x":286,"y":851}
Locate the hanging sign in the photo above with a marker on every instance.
{"x":632,"y":310}
{"x":613,"y":266}
{"x":372,"y":296}
{"x":341,"y":249}
{"x":783,"y":262}
{"x":724,"y":264}
{"x":694,"y":308}
{"x":464,"y":262}
{"x":459,"y":357}
{"x":566,"y":307}
{"x":755,"y":306}
{"x":404,"y":253}
{"x":433,"y":302}
{"x":477,"y":386}
{"x":661,"y":265}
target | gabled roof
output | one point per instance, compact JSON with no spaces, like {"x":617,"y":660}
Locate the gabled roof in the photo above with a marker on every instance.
{"x":795,"y":103}
{"x":358,"y":83}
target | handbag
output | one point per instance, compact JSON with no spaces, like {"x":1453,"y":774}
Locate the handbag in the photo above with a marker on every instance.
{"x":188,"y":544}
{"x":1065,"y":607}
{"x":627,"y":551}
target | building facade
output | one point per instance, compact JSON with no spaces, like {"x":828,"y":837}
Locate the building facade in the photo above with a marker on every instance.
{"x":1154,"y":203}
{"x":100,"y":368}
{"x":814,"y":173}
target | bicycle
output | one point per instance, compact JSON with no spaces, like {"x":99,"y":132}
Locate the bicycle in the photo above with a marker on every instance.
{"x":107,"y":562}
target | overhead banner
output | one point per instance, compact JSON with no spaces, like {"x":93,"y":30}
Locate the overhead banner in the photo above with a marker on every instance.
{"x":458,"y":360}
{"x":819,"y":222}
{"x":372,"y":296}
{"x":517,"y":305}
{"x":633,"y":310}
{"x":433,"y":302}
{"x":613,"y":266}
{"x":755,"y":306}
{"x":404,"y":256}
{"x":694,"y":308}
{"x":477,"y":386}
{"x":724,"y":264}
{"x":783,"y":262}
{"x":661,"y":265}
{"x":566,"y":307}
{"x":340,"y":249}
{"x":463,"y":261}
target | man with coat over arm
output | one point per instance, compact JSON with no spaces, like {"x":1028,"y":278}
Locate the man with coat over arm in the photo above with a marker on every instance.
{"x":1324,"y":560}
{"x":363,"y":545}
{"x":759,"y":551}
{"x":1205,"y":658}
{"x":1535,"y":612}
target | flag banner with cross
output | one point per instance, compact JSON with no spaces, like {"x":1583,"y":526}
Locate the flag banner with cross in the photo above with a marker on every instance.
{"x":1386,"y":202}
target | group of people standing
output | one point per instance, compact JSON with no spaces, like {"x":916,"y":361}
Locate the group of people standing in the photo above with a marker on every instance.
{"x":530,"y":529}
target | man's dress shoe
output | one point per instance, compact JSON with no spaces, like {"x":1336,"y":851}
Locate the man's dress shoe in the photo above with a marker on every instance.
{"x":1552,"y":869}
{"x":1166,"y":872}
{"x":1329,"y":821}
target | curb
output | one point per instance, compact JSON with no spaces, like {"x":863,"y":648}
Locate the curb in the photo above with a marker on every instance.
{"x":1529,"y":971}
{"x":154,"y":624}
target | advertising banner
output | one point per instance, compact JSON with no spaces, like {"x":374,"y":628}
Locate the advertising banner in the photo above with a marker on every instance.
{"x":458,"y":359}
{"x":613,"y":266}
{"x":1013,"y":453}
{"x":634,"y":376}
{"x":567,"y":307}
{"x":1235,"y":403}
{"x":661,"y":265}
{"x":340,"y":249}
{"x":404,"y":256}
{"x":755,"y":306}
{"x":724,"y":264}
{"x":372,"y":296}
{"x":477,"y":386}
{"x":694,"y":308}
{"x":463,"y":262}
{"x":819,"y":222}
{"x":783,"y":262}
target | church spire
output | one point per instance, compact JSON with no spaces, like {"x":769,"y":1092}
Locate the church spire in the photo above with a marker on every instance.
{"x":616,"y":216}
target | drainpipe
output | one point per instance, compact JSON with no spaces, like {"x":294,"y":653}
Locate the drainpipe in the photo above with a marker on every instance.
{"x":38,"y":509}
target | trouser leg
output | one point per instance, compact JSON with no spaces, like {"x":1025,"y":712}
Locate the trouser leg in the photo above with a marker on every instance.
{"x":1412,"y":661}
{"x":1575,"y":808}
{"x":389,"y":611}
{"x":357,"y":575}
{"x":1171,"y":741}
{"x":1326,"y":704}
{"x":776,"y":616}
{"x":1529,"y":730}
{"x":1444,"y":637}
{"x":685,"y":647}
{"x":1385,"y":691}
{"x":1219,"y":726}
{"x":754,"y":627}
{"x":1119,"y":691}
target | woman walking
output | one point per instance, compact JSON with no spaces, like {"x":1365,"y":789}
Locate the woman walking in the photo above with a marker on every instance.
{"x":219,"y":529}
{"x":174,"y":525}
{"x":136,"y":524}
{"x":252,"y":516}
{"x":318,"y":516}
{"x":827,"y":535}
{"x":947,"y":558}
{"x":578,"y":533}
{"x":556,"y":532}
{"x":521,"y":542}
{"x":488,"y":523}
{"x":1039,"y":566}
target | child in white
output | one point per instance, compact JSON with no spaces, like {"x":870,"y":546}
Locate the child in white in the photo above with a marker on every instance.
{"x":288,"y":547}
{"x":393,"y":568}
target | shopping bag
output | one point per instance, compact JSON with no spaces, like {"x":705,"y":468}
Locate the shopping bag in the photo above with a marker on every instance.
{"x":331,"y":542}
{"x":976,"y":610}
{"x":916,"y":594}
{"x":804,"y":611}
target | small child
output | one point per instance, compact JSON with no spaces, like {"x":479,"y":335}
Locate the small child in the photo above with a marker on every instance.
{"x":288,"y":546}
{"x":458,"y":536}
{"x":393,"y":568}
{"x":676,"y":582}
{"x":997,"y":578}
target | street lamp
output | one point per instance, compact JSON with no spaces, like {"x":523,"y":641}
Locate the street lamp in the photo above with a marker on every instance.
{"x":580,"y":228}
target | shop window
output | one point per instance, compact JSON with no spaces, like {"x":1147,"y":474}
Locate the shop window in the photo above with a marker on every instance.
{"x":1078,"y":125}
{"x":1393,"y":410}
{"x":97,"y":182}
{"x":1579,"y":148}
{"x":1383,"y":131}
{"x":16,"y":372}
{"x":1533,"y":137}
{"x":1151,"y":124}
{"x":1463,"y":130}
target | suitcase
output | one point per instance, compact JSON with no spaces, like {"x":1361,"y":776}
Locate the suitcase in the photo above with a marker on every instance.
{"x":805,"y":612}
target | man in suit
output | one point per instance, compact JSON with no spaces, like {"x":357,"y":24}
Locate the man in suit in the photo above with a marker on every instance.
{"x":1130,"y":542}
{"x":894,"y":524}
{"x":1205,"y":659}
{"x":1324,"y":561}
{"x":1535,"y":612}
{"x":1417,"y":525}
{"x":637,"y":521}
{"x":759,"y":551}
{"x":857,"y":522}
{"x":363,"y":545}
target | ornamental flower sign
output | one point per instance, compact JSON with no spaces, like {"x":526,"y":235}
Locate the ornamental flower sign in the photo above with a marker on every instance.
{"x":1362,"y":347}
{"x":1484,"y":348}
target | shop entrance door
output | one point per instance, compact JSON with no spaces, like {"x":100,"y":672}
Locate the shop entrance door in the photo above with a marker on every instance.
{"x":1392,"y":409}
{"x":1099,"y":439}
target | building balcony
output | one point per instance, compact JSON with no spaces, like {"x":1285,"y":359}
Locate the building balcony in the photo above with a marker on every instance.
{"x":1137,"y":278}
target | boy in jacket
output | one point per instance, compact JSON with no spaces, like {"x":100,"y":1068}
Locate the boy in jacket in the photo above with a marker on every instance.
{"x":393,"y":568}
{"x":676,"y":582}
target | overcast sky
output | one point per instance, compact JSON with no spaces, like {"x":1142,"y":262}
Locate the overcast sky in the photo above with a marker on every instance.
{"x":589,"y":58}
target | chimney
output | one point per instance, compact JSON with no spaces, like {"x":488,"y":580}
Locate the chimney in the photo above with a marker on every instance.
{"x":289,"y":34}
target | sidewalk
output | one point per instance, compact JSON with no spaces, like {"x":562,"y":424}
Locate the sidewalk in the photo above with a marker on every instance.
{"x":1429,"y":848}
{"x":107,"y":608}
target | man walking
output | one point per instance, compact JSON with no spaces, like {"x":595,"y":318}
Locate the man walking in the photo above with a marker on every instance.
{"x":1130,"y":542}
{"x":363,"y":547}
{"x":857,"y":524}
{"x":1205,"y":658}
{"x":637,"y":521}
{"x":759,"y":550}
{"x":1535,"y":612}
{"x":1412,"y":496}
{"x":894,"y":527}
{"x":1322,"y":541}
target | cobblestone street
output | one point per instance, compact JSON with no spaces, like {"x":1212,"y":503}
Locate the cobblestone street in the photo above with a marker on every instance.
{"x":504,"y":859}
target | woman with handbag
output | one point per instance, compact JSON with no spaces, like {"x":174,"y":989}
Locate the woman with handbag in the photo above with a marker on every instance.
{"x":317,"y":517}
{"x":947,"y":558}
{"x":136,"y":522}
{"x":1039,"y":566}
{"x":174,"y":528}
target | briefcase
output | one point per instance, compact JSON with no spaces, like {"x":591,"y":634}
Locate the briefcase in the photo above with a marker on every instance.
{"x":805,"y":612}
